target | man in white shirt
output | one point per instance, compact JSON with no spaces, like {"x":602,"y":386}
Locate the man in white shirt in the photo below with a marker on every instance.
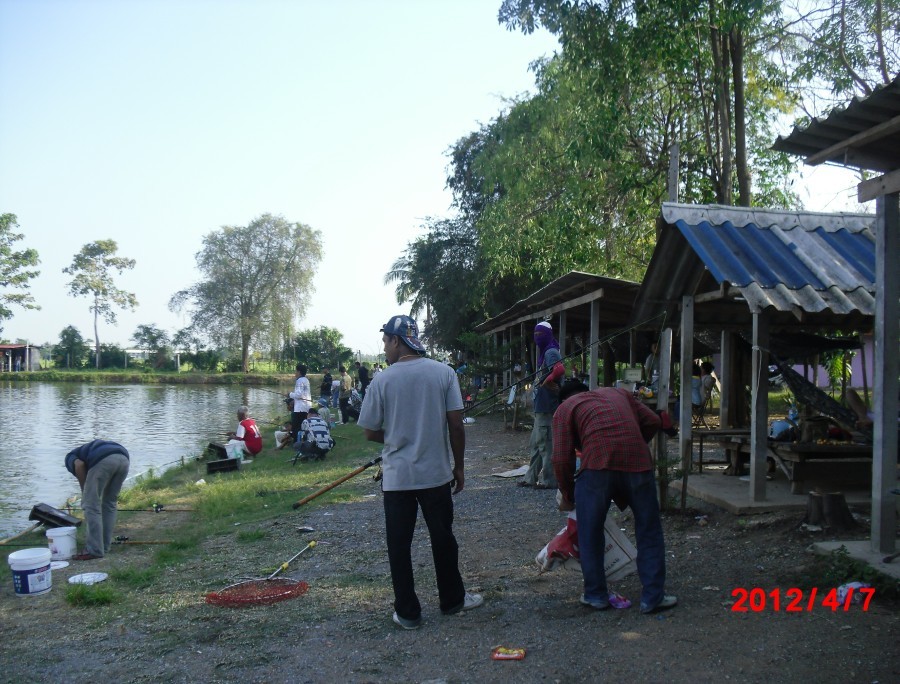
{"x":302,"y":396}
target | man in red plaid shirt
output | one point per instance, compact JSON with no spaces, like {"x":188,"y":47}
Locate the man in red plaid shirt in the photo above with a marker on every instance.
{"x":611,"y":429}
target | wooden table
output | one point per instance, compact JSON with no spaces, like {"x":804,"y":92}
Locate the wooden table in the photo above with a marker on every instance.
{"x":851,"y":464}
{"x":723,"y":436}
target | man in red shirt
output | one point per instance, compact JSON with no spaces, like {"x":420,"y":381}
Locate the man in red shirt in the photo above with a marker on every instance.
{"x":611,"y":429}
{"x":247,"y":433}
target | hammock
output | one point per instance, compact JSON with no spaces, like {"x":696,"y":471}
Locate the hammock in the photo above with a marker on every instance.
{"x":810,"y":395}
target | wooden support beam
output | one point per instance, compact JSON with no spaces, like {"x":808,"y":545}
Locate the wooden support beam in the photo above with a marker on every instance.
{"x":759,"y":409}
{"x":875,"y":187}
{"x":887,"y":332}
{"x":862,"y":138}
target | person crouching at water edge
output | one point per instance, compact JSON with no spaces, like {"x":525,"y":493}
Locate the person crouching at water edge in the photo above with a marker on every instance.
{"x":101,"y":467}
{"x":315,"y":437}
{"x":246,"y":439}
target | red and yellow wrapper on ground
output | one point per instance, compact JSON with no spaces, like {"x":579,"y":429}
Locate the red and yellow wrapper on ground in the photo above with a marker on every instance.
{"x":503,"y":653}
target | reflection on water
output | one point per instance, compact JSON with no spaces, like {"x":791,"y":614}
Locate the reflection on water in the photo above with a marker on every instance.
{"x":158,"y":424}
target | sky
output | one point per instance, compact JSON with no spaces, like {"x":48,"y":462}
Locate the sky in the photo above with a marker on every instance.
{"x":156,"y":122}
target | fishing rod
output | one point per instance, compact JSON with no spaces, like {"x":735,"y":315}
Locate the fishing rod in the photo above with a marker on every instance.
{"x":581,"y":351}
{"x":264,"y":389}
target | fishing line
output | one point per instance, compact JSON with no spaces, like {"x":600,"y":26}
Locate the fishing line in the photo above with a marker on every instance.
{"x":599,"y":341}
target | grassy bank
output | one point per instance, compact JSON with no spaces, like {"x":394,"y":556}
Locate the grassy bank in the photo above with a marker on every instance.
{"x":232,"y":508}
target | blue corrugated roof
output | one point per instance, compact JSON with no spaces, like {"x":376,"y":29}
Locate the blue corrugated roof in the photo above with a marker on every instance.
{"x":787,"y":261}
{"x":747,"y":254}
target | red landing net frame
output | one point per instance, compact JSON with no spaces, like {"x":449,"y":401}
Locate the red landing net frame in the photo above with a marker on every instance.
{"x":261,"y":592}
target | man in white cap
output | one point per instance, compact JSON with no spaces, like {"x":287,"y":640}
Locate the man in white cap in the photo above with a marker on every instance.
{"x":414,"y":407}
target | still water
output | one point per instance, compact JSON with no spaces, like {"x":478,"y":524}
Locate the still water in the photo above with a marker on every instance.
{"x":158,"y":424}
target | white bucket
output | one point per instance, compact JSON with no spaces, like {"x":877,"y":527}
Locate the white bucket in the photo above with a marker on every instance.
{"x":31,"y":571}
{"x":62,"y":542}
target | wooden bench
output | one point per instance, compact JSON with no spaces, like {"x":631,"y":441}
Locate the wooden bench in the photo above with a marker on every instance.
{"x":851,"y":464}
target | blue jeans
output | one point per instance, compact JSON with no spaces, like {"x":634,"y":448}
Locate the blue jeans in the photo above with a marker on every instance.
{"x":335,"y":397}
{"x":400,"y":512}
{"x":594,"y":491}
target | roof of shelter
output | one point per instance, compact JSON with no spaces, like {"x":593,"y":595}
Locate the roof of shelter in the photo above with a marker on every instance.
{"x":809,"y":270}
{"x":862,"y":134}
{"x":572,"y":293}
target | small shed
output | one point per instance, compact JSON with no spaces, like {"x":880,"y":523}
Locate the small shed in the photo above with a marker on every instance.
{"x":19,"y":357}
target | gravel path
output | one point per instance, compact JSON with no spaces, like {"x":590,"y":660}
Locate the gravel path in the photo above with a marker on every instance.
{"x":342,"y":630}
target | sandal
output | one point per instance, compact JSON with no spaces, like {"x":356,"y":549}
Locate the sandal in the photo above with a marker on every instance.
{"x":524,"y":484}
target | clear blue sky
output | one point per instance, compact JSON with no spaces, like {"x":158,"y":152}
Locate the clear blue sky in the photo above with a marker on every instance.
{"x":154,"y":122}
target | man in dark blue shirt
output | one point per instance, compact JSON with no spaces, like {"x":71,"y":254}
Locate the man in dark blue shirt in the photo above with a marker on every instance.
{"x":101,"y":468}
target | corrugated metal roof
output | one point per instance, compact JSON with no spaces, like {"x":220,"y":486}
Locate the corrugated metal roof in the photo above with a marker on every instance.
{"x":565,"y":293}
{"x":862,"y":134}
{"x":787,"y":261}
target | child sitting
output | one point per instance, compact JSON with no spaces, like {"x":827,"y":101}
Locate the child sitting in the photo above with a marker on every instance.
{"x":283,"y":436}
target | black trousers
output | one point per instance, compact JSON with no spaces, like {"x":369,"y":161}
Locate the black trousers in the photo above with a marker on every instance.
{"x":400,"y":513}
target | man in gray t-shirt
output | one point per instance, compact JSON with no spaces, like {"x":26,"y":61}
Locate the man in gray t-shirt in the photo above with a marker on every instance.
{"x":414,"y":407}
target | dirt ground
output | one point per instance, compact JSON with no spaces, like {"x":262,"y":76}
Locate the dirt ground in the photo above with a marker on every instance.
{"x":341,"y":630}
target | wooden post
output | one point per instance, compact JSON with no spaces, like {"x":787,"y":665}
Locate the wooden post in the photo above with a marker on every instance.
{"x":759,"y":407}
{"x":685,"y":443}
{"x":662,"y":402}
{"x":592,"y":343}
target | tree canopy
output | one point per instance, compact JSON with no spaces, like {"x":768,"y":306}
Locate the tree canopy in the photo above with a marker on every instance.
{"x":71,"y":351}
{"x":155,"y":341}
{"x":92,"y":275}
{"x":572,"y":177}
{"x":256,"y":281}
{"x":16,"y":269}
{"x":319,"y":348}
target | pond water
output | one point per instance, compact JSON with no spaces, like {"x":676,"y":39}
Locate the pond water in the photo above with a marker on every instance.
{"x":159,"y":425}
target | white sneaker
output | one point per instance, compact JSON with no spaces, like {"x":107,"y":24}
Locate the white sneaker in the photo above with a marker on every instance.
{"x":472,"y":601}
{"x":408,"y":624}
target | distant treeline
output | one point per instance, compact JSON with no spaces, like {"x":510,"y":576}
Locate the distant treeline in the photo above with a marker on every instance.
{"x":144,"y":377}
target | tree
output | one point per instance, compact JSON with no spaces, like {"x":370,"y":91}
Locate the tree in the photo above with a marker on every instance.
{"x":15,"y":269}
{"x":71,"y":351}
{"x":255,"y":278}
{"x":92,"y":268}
{"x":442,"y":275}
{"x":155,"y":341}
{"x":319,"y":348}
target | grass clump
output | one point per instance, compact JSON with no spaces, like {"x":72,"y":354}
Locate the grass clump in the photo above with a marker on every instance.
{"x":136,"y":577}
{"x":89,"y":595}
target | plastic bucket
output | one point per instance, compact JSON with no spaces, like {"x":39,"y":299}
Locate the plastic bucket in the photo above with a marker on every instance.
{"x":31,"y":571}
{"x":62,"y":542}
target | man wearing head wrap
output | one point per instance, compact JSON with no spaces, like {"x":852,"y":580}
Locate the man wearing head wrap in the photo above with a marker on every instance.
{"x":546,"y":388}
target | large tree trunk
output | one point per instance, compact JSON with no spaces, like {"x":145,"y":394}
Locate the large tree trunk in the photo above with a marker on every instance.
{"x":245,"y":353}
{"x":736,"y":43}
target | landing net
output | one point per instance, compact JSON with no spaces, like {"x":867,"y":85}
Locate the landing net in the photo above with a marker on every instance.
{"x":260,"y":592}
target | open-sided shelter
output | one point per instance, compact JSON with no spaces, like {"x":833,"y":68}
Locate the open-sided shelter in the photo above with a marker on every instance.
{"x":866,"y":135}
{"x":762,"y":275}
{"x":585,"y":310}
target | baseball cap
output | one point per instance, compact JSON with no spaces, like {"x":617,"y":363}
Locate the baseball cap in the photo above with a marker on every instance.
{"x":406,"y":328}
